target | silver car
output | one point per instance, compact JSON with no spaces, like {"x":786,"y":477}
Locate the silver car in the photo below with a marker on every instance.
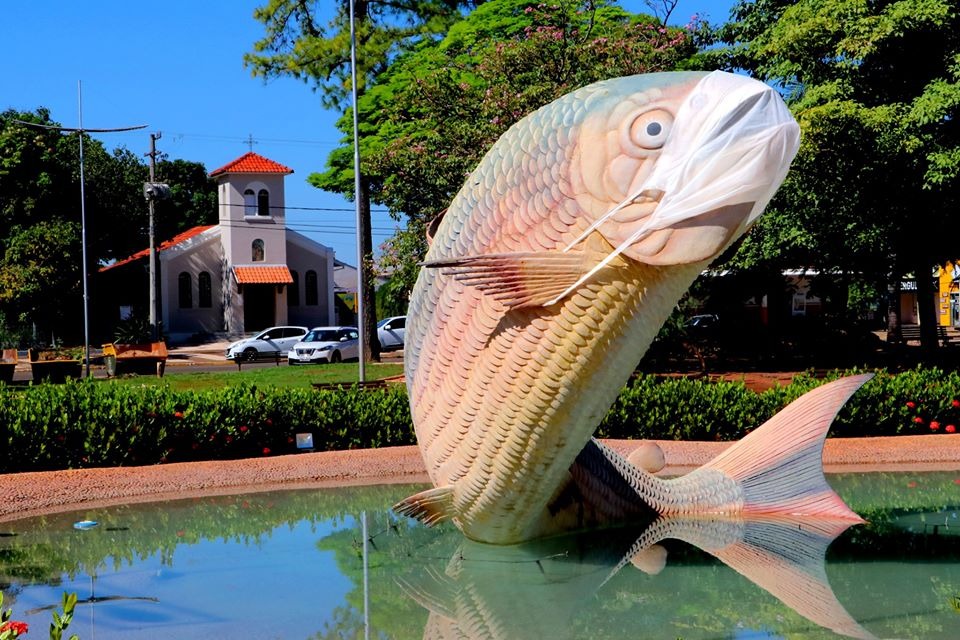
{"x":274,"y":342}
{"x":326,"y":344}
{"x":390,"y":332}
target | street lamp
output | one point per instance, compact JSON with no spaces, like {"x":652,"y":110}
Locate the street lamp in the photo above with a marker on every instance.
{"x":83,"y":210}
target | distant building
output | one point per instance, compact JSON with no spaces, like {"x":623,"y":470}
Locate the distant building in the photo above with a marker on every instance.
{"x":244,"y":274}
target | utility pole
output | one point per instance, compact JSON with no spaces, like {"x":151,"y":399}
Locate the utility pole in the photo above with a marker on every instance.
{"x":154,"y":329}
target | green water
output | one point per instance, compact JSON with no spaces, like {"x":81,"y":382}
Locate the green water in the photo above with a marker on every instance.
{"x":291,"y":565}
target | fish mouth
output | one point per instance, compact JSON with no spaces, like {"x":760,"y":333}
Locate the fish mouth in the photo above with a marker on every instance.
{"x":693,"y":240}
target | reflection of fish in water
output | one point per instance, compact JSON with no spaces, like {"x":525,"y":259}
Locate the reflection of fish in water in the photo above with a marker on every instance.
{"x":549,"y":276}
{"x":490,"y":592}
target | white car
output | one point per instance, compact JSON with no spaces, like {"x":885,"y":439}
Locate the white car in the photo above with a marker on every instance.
{"x":274,"y":342}
{"x":326,"y":344}
{"x":390,"y":332}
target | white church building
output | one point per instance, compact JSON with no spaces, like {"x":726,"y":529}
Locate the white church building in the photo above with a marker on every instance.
{"x":243,"y":274}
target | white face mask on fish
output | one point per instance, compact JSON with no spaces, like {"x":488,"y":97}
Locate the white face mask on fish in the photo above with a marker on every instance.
{"x":726,"y":150}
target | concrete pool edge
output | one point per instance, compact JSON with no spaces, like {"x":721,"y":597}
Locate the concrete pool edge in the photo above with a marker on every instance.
{"x":39,"y":493}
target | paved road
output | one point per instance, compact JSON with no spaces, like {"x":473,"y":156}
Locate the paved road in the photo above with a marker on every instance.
{"x":202,"y":358}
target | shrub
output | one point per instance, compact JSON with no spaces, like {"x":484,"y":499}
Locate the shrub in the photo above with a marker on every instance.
{"x":89,"y":423}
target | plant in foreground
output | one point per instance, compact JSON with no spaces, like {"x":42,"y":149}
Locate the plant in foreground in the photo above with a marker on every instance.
{"x":10,"y":629}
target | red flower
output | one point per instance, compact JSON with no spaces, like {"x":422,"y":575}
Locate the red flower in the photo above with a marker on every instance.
{"x":266,"y":451}
{"x":956,"y":481}
{"x":911,"y":404}
{"x":934,"y":425}
{"x":918,"y":420}
{"x":911,"y":485}
{"x":950,"y":428}
{"x":956,"y":403}
{"x":228,"y":439}
{"x":290,"y":439}
{"x":178,"y":415}
{"x":243,"y":428}
{"x":18,"y":628}
{"x":268,"y":422}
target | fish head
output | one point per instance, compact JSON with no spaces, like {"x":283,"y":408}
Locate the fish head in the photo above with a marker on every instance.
{"x":671,"y":168}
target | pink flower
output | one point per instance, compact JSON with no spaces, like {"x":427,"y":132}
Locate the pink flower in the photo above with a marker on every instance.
{"x":918,"y":420}
{"x":911,"y":404}
{"x":934,"y":425}
{"x":243,"y":428}
{"x":228,"y":439}
{"x":950,"y":428}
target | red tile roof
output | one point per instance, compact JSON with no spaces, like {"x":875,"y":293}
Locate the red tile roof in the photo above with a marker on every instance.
{"x":251,"y":162}
{"x":267,"y":274}
{"x":175,"y":240}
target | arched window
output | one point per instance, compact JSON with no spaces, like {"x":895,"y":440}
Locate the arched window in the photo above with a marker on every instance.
{"x":263,"y":203}
{"x":310,"y":288}
{"x":204,"y":284}
{"x":185,"y":288}
{"x":293,"y":290}
{"x":249,"y":203}
{"x":257,"y":251}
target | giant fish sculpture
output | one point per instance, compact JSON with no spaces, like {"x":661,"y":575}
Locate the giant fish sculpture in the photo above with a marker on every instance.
{"x":547,"y":279}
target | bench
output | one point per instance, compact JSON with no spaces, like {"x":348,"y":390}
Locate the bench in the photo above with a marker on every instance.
{"x":363,"y":386}
{"x":911,"y":333}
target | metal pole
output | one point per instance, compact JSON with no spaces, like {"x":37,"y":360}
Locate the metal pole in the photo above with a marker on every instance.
{"x":83,"y":240}
{"x":356,"y":193}
{"x":154,"y":328}
{"x":366,"y":576}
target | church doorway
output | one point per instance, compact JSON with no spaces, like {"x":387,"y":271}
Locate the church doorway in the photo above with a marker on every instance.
{"x":259,"y":306}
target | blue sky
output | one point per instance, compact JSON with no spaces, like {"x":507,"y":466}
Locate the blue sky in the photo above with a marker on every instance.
{"x":177,"y":66}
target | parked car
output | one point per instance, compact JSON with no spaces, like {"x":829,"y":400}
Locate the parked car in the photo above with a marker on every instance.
{"x":390,"y":332}
{"x":272,"y":342}
{"x":326,"y":344}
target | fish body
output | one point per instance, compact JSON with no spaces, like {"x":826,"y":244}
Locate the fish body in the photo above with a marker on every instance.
{"x":554,"y":268}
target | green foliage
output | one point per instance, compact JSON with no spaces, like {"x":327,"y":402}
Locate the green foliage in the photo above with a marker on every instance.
{"x":434,"y":112}
{"x":90,"y":424}
{"x":874,"y":190}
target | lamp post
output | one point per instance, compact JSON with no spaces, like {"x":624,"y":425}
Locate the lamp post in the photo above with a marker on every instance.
{"x":80,"y":130}
{"x":356,"y":194}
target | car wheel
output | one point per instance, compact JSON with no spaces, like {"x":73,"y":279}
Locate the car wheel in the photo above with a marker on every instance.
{"x":335,"y":356}
{"x":249,"y":354}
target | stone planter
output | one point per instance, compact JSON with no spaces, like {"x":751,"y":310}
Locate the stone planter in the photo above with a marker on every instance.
{"x":53,"y":365}
{"x":147,"y":358}
{"x":8,"y":364}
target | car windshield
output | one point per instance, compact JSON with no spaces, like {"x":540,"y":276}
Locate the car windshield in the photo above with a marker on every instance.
{"x":383,"y":322}
{"x":322,"y":335}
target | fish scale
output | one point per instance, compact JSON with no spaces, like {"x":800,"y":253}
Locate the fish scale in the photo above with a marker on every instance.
{"x":545,"y":284}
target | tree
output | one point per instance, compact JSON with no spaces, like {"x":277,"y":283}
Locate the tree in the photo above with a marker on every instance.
{"x":432,"y":115}
{"x":874,"y":188}
{"x":296,"y":44}
{"x":40,"y":194}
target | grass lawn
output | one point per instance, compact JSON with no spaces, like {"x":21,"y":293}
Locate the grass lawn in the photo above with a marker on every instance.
{"x":182,"y":378}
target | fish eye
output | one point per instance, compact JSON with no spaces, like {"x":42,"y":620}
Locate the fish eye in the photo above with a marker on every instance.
{"x":650,"y":129}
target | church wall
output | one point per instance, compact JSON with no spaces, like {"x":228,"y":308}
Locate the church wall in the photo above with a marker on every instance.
{"x":185,"y":321}
{"x":301,"y":260}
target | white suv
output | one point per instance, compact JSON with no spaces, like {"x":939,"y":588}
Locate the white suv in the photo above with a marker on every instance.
{"x":274,"y":342}
{"x":326,"y":344}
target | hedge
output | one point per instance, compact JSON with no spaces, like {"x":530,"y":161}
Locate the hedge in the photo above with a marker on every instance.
{"x":91,"y":423}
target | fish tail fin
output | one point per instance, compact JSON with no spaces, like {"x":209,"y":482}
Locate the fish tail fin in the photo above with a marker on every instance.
{"x":429,"y":507}
{"x":779,"y":466}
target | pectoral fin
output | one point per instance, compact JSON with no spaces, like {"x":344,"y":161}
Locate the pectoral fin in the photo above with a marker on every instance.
{"x":517,"y":280}
{"x":528,"y":279}
{"x":429,"y":507}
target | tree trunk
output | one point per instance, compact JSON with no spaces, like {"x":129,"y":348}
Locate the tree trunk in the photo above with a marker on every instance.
{"x":926,"y":310}
{"x":371,"y":348}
